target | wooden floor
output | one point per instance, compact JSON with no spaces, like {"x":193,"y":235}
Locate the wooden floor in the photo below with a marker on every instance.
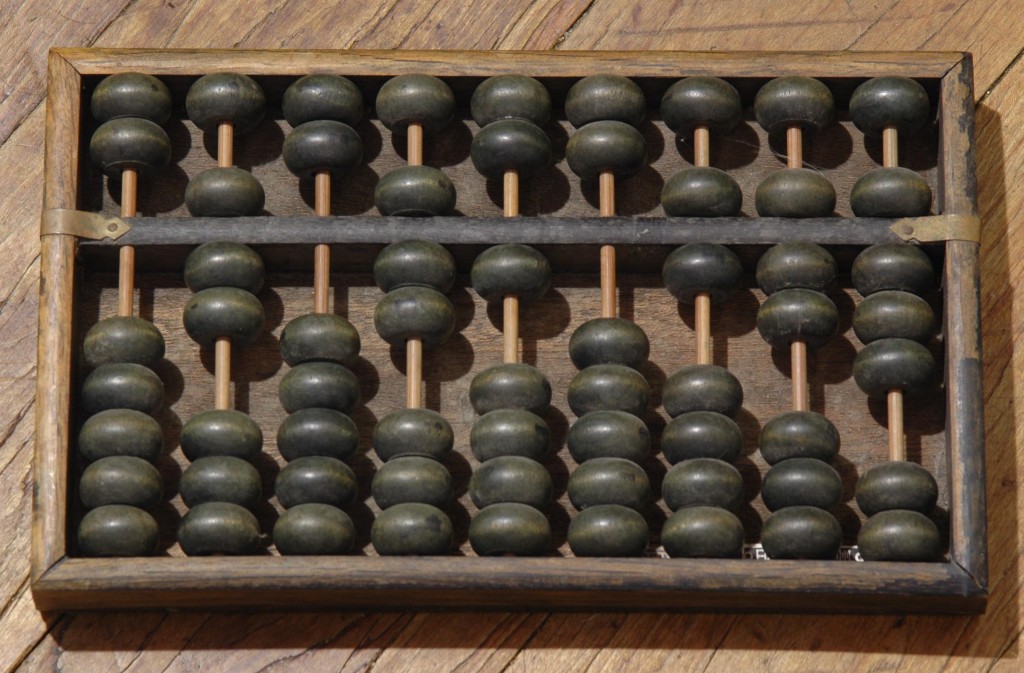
{"x":993,"y":30}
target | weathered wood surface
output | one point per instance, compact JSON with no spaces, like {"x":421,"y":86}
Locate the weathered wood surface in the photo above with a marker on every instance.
{"x":396,"y":642}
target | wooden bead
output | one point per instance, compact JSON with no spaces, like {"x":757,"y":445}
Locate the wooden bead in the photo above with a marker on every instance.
{"x":413,"y":432}
{"x":891,"y":192}
{"x":697,"y":268}
{"x":605,"y":97}
{"x":224,"y":192}
{"x":221,"y":479}
{"x":414,"y":263}
{"x":701,"y":191}
{"x":218,"y":528}
{"x":608,"y":388}
{"x":412,"y":529}
{"x":609,"y":481}
{"x":411,"y":311}
{"x":703,"y":482}
{"x":224,"y":264}
{"x":510,"y":144}
{"x":794,"y":101}
{"x":321,"y":96}
{"x":509,"y":528}
{"x":316,"y":479}
{"x":899,"y":102}
{"x":121,"y":480}
{"x":701,"y":434}
{"x":798,"y":434}
{"x":510,"y":432}
{"x":223,"y":312}
{"x":510,"y":97}
{"x":703,"y":532}
{"x":796,"y":265}
{"x":122,"y":386}
{"x":412,"y":479}
{"x":130,"y":142}
{"x":131,"y":94}
{"x":317,"y":432}
{"x":120,"y":432}
{"x":889,"y":364}
{"x":314,"y":529}
{"x":221,"y":432}
{"x":609,"y":434}
{"x":801,"y":481}
{"x":795,"y":193}
{"x":797,"y":315}
{"x":702,"y":388}
{"x":118,"y":530}
{"x":606,"y":146}
{"x":511,"y":479}
{"x":225,"y":97}
{"x":420,"y":99}
{"x":892,"y":266}
{"x":320,"y":336}
{"x":322,"y":145}
{"x":123,"y":339}
{"x":511,"y":269}
{"x":895,"y":314}
{"x":701,"y":101}
{"x":897,"y":485}
{"x":510,"y":386}
{"x":614,"y":341}
{"x":608,"y":530}
{"x":801,"y":533}
{"x":415,"y":191}
{"x":321,"y":385}
{"x":899,"y":535}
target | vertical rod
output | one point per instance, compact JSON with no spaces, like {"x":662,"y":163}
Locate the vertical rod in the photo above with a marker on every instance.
{"x":701,"y":146}
{"x":222,"y":373}
{"x":606,"y":199}
{"x":798,"y":368}
{"x":510,"y":328}
{"x":890,"y":147}
{"x":414,"y":144}
{"x":702,"y":325}
{"x":126,"y":266}
{"x":794,"y":147}
{"x":414,"y":373}
{"x":225,"y":145}
{"x":897,"y":440}
{"x":511,"y":193}
{"x":322,"y":252}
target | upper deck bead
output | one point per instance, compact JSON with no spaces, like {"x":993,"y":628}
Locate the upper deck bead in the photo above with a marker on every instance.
{"x":605,"y":97}
{"x":225,"y":97}
{"x":131,"y":94}
{"x":701,"y":101}
{"x":130,"y":142}
{"x":415,"y":99}
{"x":322,"y":96}
{"x":891,"y":101}
{"x":510,"y":144}
{"x":606,"y":145}
{"x":794,"y":101}
{"x":322,"y":145}
{"x":510,"y":97}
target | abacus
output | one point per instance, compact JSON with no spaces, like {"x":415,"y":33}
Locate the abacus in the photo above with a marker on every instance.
{"x":509,"y":330}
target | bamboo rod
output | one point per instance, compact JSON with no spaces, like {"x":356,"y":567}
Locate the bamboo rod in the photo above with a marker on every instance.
{"x":701,"y":146}
{"x":511,"y":193}
{"x":222,"y":373}
{"x":414,"y":373}
{"x":606,"y":199}
{"x":890,"y":147}
{"x":702,"y":326}
{"x":414,"y":144}
{"x":798,"y":368}
{"x":226,"y":144}
{"x":897,"y":439}
{"x":794,"y":147}
{"x":126,"y":265}
{"x":510,"y":328}
{"x":322,"y":252}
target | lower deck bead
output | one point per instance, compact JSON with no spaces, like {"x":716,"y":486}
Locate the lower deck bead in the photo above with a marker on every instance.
{"x":317,"y":432}
{"x":796,"y":314}
{"x":796,"y":265}
{"x":609,"y":481}
{"x":801,"y":481}
{"x":510,"y":529}
{"x":413,"y":432}
{"x":122,"y":386}
{"x":510,"y":432}
{"x":314,"y":529}
{"x":423,"y":263}
{"x":224,"y":264}
{"x":889,"y":364}
{"x":702,"y":388}
{"x":320,"y":385}
{"x":801,"y":533}
{"x":219,"y":528}
{"x":121,"y":480}
{"x":795,"y":193}
{"x":221,"y":432}
{"x":608,"y":530}
{"x":613,"y":341}
{"x":316,"y":479}
{"x":511,"y":479}
{"x":798,"y":434}
{"x":893,"y":314}
{"x":701,"y":434}
{"x":899,"y":535}
{"x":892,"y":266}
{"x":221,"y":479}
{"x":701,"y":192}
{"x":412,"y":479}
{"x":702,"y":268}
{"x":891,"y":192}
{"x":412,"y":529}
{"x":118,"y":530}
{"x":511,"y":269}
{"x":703,"y":532}
{"x":897,"y":485}
{"x":320,"y":336}
{"x":609,"y":434}
{"x":510,"y":386}
{"x":412,"y":311}
{"x":123,"y":339}
{"x":608,"y":388}
{"x":120,"y":432}
{"x":223,"y":312}
{"x":703,"y":482}
{"x":224,"y":192}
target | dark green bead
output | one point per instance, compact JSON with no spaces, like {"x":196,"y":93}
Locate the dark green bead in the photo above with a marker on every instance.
{"x":408,"y":99}
{"x":511,"y":269}
{"x":315,"y":97}
{"x":609,"y":434}
{"x":608,"y":530}
{"x":702,"y":388}
{"x":797,"y":315}
{"x":510,"y":97}
{"x":609,"y":481}
{"x":120,"y":432}
{"x":224,"y":264}
{"x":322,"y":145}
{"x":701,"y":434}
{"x":795,"y":193}
{"x":510,"y":386}
{"x":412,"y":529}
{"x":801,"y":533}
{"x":225,"y":97}
{"x":511,"y":479}
{"x":131,"y":94}
{"x":219,"y":528}
{"x":794,"y":101}
{"x":893,"y":314}
{"x":703,"y":532}
{"x":320,"y":336}
{"x":608,"y":388}
{"x":899,"y":535}
{"x":701,"y":191}
{"x":510,"y":432}
{"x":413,"y":432}
{"x":411,"y":311}
{"x":122,"y":386}
{"x":701,"y":101}
{"x":899,"y":102}
{"x":703,"y":482}
{"x":796,"y":265}
{"x":316,"y":479}
{"x":412,"y":479}
{"x":892,"y":266}
{"x":602,"y":146}
{"x":801,"y":481}
{"x":601,"y":97}
{"x":799,"y":434}
{"x":414,"y":263}
{"x":509,"y":529}
{"x":891,"y":192}
{"x":221,"y":479}
{"x":130,"y":142}
{"x":123,"y":339}
{"x":223,"y":312}
{"x":314,"y":529}
{"x":224,"y":192}
{"x":118,"y":530}
{"x":897,"y":485}
{"x":510,"y":144}
{"x":890,"y":364}
{"x":609,"y":341}
{"x":697,"y":268}
{"x":221,"y":432}
{"x":121,"y":480}
{"x":321,"y":385}
{"x":318,"y":432}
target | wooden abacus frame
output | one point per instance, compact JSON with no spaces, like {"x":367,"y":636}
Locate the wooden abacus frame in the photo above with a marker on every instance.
{"x":60,"y":581}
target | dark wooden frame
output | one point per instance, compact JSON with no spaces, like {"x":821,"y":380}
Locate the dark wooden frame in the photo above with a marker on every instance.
{"x":959,"y":585}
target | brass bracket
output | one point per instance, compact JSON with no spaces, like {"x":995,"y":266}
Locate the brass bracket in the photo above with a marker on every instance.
{"x":82,"y":224}
{"x":937,"y":228}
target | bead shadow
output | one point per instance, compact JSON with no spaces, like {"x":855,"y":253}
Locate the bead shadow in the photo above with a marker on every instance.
{"x":751,"y":428}
{"x":826,"y":149}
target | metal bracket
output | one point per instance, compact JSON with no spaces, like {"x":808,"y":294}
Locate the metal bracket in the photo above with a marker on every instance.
{"x":82,"y":224}
{"x":937,"y":228}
